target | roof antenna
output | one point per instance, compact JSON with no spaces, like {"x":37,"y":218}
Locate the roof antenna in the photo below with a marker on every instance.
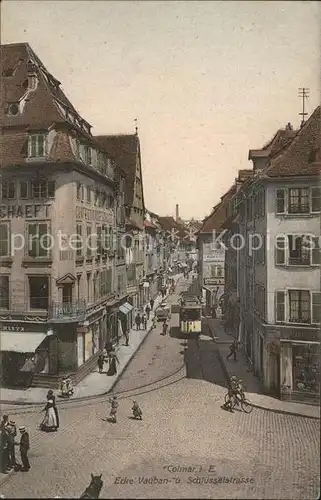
{"x":136,"y":126}
{"x":304,"y":94}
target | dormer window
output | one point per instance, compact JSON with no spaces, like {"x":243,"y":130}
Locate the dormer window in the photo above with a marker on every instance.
{"x":13,"y":108}
{"x":37,"y":145}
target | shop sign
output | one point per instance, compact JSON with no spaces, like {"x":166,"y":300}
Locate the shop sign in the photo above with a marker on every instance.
{"x":218,"y":257}
{"x":88,"y":214}
{"x":302,"y":335}
{"x":82,"y":329}
{"x":214,"y":281}
{"x":24,"y":211}
{"x":12,"y":328}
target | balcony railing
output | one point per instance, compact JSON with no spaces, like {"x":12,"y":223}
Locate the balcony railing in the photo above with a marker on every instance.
{"x":67,"y":311}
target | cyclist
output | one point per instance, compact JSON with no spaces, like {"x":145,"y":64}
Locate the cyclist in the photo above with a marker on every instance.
{"x":236,"y":389}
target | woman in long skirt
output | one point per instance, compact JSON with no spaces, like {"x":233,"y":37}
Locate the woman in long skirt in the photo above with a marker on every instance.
{"x":112,"y":363}
{"x":50,"y":395}
{"x":49,"y":422}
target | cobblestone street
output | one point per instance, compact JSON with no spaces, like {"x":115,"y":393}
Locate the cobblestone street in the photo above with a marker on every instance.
{"x":277,"y":456}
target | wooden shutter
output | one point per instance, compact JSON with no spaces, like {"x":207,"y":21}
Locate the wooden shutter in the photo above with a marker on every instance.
{"x":280,"y":306}
{"x":315,"y":251}
{"x":280,"y":257}
{"x":43,"y":240}
{"x":32,"y":240}
{"x":315,"y":199}
{"x":4,"y":240}
{"x":280,"y":201}
{"x":316,"y":307}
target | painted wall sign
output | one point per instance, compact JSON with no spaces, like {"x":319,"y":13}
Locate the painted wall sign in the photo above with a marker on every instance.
{"x":88,"y":214}
{"x":24,"y":211}
{"x":12,"y":328}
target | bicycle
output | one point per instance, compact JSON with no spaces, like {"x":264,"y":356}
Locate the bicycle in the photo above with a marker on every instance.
{"x":235,"y":401}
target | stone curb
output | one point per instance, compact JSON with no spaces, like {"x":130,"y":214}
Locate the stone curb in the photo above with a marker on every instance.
{"x":261,"y":407}
{"x":83,"y":398}
{"x":35,"y":404}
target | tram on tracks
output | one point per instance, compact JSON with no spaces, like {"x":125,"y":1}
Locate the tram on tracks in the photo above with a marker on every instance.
{"x":190,"y":315}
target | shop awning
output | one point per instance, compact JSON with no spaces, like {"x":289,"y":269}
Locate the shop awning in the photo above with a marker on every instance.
{"x":126,"y":308}
{"x":299,"y":341}
{"x":20,"y":342}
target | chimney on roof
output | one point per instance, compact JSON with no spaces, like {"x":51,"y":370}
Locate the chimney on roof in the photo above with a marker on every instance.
{"x":177,"y":212}
{"x":289,"y":127}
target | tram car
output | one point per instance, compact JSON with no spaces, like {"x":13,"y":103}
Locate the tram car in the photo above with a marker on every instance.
{"x":190,"y":315}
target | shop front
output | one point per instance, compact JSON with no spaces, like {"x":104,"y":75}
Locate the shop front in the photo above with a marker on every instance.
{"x":90,"y":337}
{"x":300,"y":370}
{"x":24,"y":352}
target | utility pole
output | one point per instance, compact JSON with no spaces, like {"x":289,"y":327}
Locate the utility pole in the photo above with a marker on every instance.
{"x":303,"y":94}
{"x":136,"y":125}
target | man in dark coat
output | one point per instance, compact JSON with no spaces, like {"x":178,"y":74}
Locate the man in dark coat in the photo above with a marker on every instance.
{"x":137,"y":321}
{"x":151,"y":303}
{"x":24,"y":448}
{"x":233,"y":350}
{"x":10,"y":430}
{"x":147,"y":309}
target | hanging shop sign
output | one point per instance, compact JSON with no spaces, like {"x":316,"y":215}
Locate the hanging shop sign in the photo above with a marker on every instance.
{"x":214,"y":281}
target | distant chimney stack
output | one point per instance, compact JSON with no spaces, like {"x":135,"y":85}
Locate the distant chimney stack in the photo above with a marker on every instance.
{"x":177,"y":212}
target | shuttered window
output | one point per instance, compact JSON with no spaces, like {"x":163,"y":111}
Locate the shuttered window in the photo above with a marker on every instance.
{"x":316,"y":307}
{"x":38,"y":239}
{"x":4,"y":239}
{"x":280,"y":201}
{"x":280,"y":306}
{"x":280,"y":250}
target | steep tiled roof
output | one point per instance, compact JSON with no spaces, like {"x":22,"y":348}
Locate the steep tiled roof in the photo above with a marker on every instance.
{"x":125,"y":150}
{"x":40,"y":107}
{"x":169,"y":224}
{"x":217,"y":217}
{"x":61,"y":148}
{"x":301,"y":157}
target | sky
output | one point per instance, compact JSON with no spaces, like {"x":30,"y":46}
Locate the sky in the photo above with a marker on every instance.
{"x":206,"y":80}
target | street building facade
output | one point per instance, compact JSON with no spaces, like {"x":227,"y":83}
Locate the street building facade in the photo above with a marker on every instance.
{"x":58,"y":229}
{"x":212,"y":256}
{"x":278,"y":215}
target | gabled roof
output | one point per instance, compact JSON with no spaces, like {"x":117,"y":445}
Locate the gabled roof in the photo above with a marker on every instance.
{"x":40,"y":108}
{"x":216,"y":219}
{"x":302,"y":155}
{"x":45,"y":105}
{"x":169,"y":224}
{"x":280,"y":140}
{"x":125,"y":150}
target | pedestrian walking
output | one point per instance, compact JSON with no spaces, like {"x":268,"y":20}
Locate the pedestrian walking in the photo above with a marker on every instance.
{"x":4,"y":422}
{"x":24,"y":448}
{"x":126,"y":333}
{"x":147,"y":310}
{"x":233,"y":350}
{"x":114,"y":408}
{"x":49,"y":422}
{"x":4,"y":451}
{"x":112,"y":363}
{"x":151,"y":304}
{"x":50,"y":395}
{"x":144,"y":321}
{"x":100,"y":363}
{"x":11,"y":431}
{"x":108,"y":347}
{"x":137,"y":321}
